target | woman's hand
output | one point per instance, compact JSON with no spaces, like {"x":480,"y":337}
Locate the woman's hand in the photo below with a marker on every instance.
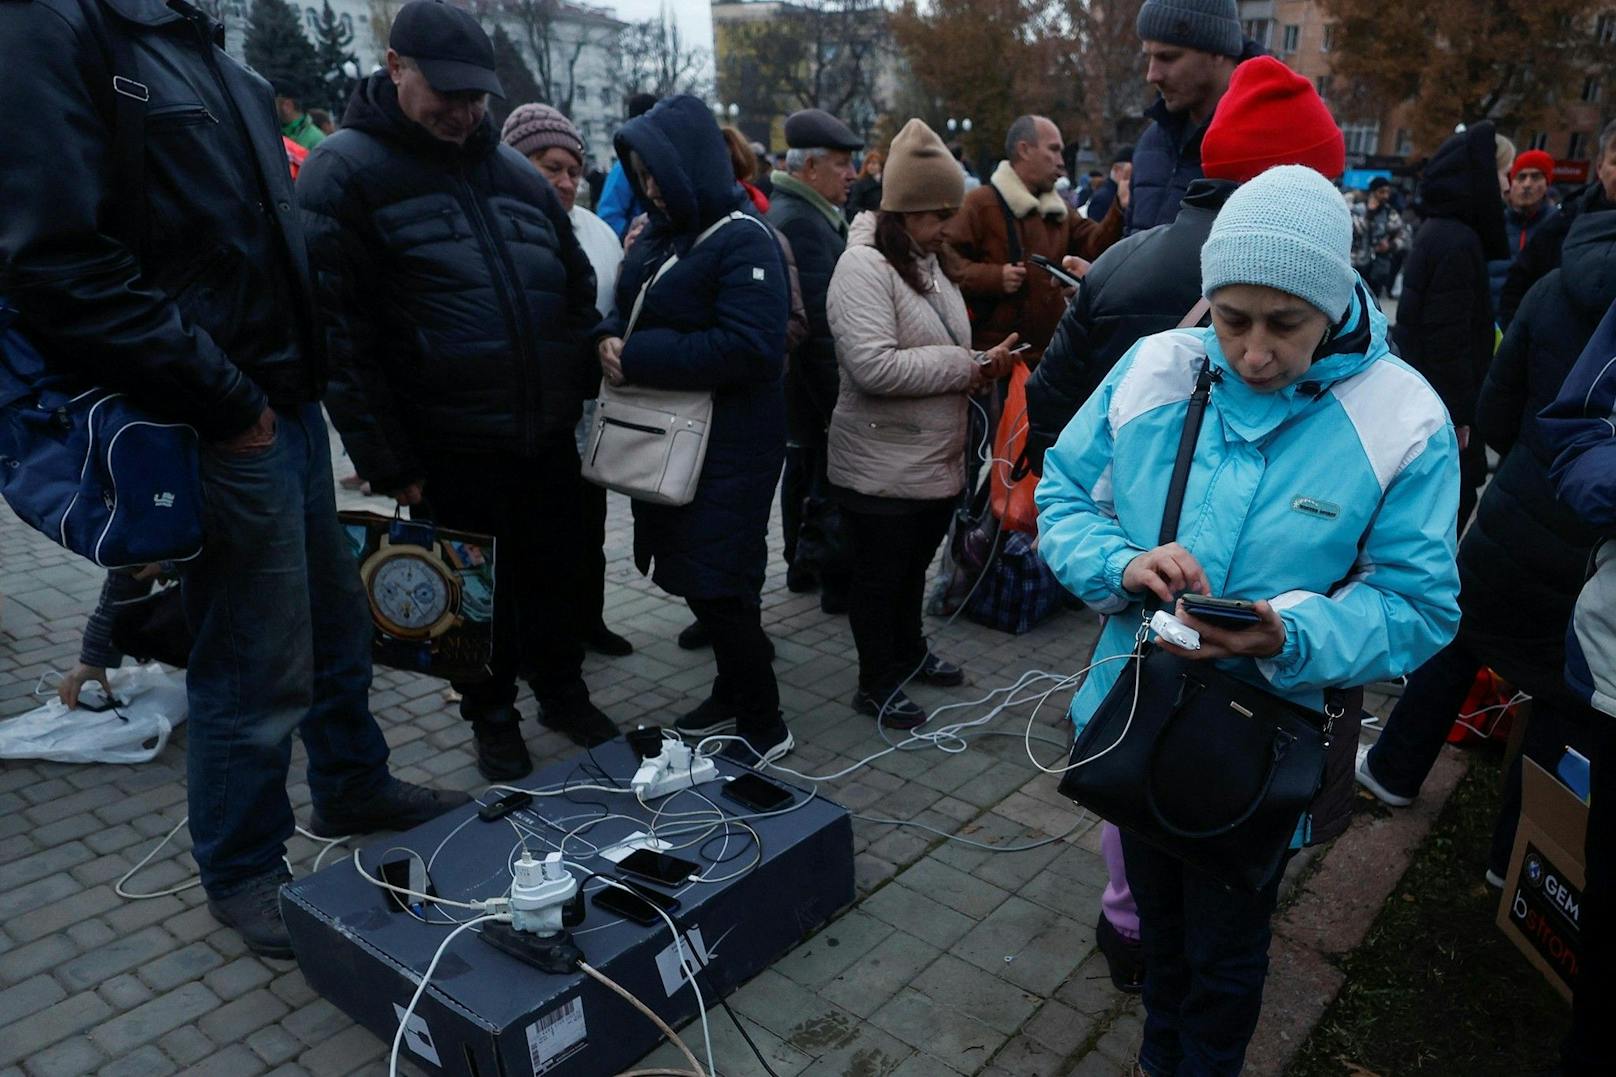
{"x":610,"y":353}
{"x":1166,"y":572}
{"x":75,"y":679}
{"x":996,"y":363}
{"x":1264,"y":639}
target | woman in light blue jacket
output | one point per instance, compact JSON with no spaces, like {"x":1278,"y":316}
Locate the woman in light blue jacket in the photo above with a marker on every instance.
{"x":1324,"y":487}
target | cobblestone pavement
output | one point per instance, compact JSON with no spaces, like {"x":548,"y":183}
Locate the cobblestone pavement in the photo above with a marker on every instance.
{"x":952,"y":959}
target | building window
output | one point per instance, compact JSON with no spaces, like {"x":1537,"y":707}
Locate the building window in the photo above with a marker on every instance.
{"x":1540,"y":141}
{"x":1361,"y":138}
{"x":1405,"y":142}
{"x":1259,"y":30}
{"x":1292,"y":33}
{"x":1605,"y":29}
{"x":1577,"y":150}
{"x":1328,"y":41}
{"x":1324,"y":87}
{"x":1591,"y":89}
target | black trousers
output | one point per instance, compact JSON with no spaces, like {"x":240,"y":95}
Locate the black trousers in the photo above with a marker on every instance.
{"x":745,"y":672}
{"x":891,"y":553}
{"x":1587,"y":1049}
{"x":592,"y":556}
{"x":534,"y":509}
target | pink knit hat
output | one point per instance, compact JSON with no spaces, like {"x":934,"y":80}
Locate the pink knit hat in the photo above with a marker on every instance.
{"x":532,"y":128}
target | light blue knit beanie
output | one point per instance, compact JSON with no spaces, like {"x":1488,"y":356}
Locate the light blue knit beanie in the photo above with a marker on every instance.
{"x":1290,"y":229}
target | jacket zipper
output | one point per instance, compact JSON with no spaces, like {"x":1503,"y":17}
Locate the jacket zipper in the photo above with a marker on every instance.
{"x":511,"y":304}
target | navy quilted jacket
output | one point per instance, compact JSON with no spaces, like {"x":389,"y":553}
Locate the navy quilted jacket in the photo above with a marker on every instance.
{"x":716,"y":320}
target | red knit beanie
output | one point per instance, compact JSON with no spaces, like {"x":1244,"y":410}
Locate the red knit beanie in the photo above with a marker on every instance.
{"x":1270,"y":116}
{"x":1534,"y":159}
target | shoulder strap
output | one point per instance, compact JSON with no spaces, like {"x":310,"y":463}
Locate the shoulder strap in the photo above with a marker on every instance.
{"x":1012,"y":230}
{"x":668,"y":263}
{"x":129,"y":98}
{"x":1204,"y":380}
{"x":1193,"y":316}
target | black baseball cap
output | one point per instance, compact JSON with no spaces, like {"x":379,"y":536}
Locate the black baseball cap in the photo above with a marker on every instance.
{"x":448,"y":45}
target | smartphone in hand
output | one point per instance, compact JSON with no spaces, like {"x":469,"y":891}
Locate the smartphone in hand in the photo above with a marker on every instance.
{"x":1234,"y":614}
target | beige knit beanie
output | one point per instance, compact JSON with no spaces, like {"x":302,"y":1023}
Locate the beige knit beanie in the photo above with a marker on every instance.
{"x":920,"y":174}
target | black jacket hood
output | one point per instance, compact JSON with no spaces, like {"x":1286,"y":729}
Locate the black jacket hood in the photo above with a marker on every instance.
{"x":1461,"y":182}
{"x":374,"y":109}
{"x":684,"y":150}
{"x":1588,"y":262}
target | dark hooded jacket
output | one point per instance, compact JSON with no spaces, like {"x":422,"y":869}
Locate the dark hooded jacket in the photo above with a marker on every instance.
{"x":1143,"y":285}
{"x":452,"y":294}
{"x":1445,"y":317}
{"x":715,"y":320}
{"x":203,"y":318}
{"x":1523,"y":561}
{"x":1542,"y":252}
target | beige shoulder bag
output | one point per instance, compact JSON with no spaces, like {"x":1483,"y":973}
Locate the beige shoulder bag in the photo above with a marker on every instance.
{"x":651,"y":443}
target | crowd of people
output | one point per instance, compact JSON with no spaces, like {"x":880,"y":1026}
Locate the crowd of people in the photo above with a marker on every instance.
{"x":437,"y":286}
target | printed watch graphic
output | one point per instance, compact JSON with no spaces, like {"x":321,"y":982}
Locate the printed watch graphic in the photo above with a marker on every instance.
{"x":414,"y":594}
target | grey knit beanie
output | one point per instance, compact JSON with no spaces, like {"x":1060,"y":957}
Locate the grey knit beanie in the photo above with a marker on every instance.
{"x":1288,"y":229}
{"x":532,"y":128}
{"x":1207,"y":25}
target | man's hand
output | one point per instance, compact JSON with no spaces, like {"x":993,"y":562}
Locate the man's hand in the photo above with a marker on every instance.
{"x":1167,"y":572}
{"x":257,"y":437}
{"x":1462,"y":433}
{"x":1262,"y":640}
{"x":610,"y":353}
{"x":75,"y":679}
{"x":410,"y":495}
{"x":634,"y":230}
{"x":1123,"y":186}
{"x":1013,"y":276}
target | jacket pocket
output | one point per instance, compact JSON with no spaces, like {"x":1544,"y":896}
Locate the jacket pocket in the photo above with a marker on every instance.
{"x":172,"y":117}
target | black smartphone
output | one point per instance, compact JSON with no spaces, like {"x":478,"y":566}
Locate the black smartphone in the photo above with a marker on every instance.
{"x":1055,"y":271}
{"x":1234,"y":614}
{"x":406,"y":873}
{"x":658,"y":867}
{"x":502,"y":807}
{"x":757,"y":793}
{"x":636,"y":906}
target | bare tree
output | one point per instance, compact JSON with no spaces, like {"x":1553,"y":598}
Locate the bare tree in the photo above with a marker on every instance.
{"x":827,"y":54}
{"x":654,"y":58}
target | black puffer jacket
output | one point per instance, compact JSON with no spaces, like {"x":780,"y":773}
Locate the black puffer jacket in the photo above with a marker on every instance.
{"x":1445,"y":318}
{"x":811,"y":382}
{"x":452,"y":294}
{"x":1143,"y":285}
{"x":1523,"y":561}
{"x":204,"y":321}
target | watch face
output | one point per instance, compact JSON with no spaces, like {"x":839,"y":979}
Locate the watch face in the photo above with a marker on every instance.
{"x":409,"y":592}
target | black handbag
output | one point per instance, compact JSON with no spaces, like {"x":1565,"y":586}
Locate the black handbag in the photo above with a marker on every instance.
{"x":1209,"y":769}
{"x":153,"y":626}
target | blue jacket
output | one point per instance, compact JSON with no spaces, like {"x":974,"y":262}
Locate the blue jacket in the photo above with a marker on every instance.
{"x":1166,"y":160}
{"x":716,"y":320}
{"x":619,"y":203}
{"x":1333,"y":498}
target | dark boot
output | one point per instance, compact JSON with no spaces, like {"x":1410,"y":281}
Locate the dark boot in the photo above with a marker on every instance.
{"x":695,"y":637}
{"x":502,"y":754}
{"x":253,"y":909}
{"x":397,"y":805}
{"x":603,"y":640}
{"x":573,"y":714}
{"x":762,"y":742}
{"x":894,"y":709}
{"x":1124,"y":958}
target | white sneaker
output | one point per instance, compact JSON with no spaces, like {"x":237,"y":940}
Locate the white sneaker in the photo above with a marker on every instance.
{"x":1367,"y":780}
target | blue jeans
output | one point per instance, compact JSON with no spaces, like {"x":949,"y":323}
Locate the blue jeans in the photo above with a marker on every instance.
{"x":1206,"y":957}
{"x":283,"y":635}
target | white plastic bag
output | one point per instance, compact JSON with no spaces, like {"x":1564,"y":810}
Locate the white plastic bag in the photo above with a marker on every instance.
{"x":152,"y":704}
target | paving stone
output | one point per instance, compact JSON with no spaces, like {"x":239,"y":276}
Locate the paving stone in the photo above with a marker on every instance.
{"x":180,"y":966}
{"x":892,"y":964}
{"x":976,"y":993}
{"x":145,"y":1023}
{"x":238,"y":977}
{"x":237,"y":1020}
{"x":918,"y":914}
{"x":1059,"y":1027}
{"x":74,"y":1014}
{"x":835,"y":947}
{"x":29,"y":997}
{"x":963,"y":1043}
{"x":70,"y":1058}
{"x":792,"y":1012}
{"x":314,"y":1022}
{"x":274,"y":1045}
{"x":233,"y":1060}
{"x":1024,"y":1056}
{"x":124,"y":992}
{"x":186,"y":1045}
{"x":142,"y":1062}
{"x":344,"y":1053}
{"x":1120,"y":1043}
{"x":953,"y":888}
{"x":869,"y":1052}
{"x":104,"y":962}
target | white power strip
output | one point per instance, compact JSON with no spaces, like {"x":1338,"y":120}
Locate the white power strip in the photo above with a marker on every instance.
{"x":676,"y":768}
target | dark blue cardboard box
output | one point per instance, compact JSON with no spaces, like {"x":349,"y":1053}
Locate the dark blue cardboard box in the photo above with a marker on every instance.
{"x":485,"y":1013}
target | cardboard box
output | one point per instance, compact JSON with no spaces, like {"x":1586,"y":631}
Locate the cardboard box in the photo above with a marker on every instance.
{"x":1541,"y":907}
{"x":486,"y":1014}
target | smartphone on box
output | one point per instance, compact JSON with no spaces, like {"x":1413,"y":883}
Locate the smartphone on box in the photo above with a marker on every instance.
{"x":670,"y":871}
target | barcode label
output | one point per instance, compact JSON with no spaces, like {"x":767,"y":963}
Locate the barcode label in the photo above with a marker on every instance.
{"x":556,"y":1036}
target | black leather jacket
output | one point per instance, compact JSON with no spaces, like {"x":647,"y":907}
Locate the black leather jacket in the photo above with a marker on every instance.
{"x":204,"y":318}
{"x":453,"y":297}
